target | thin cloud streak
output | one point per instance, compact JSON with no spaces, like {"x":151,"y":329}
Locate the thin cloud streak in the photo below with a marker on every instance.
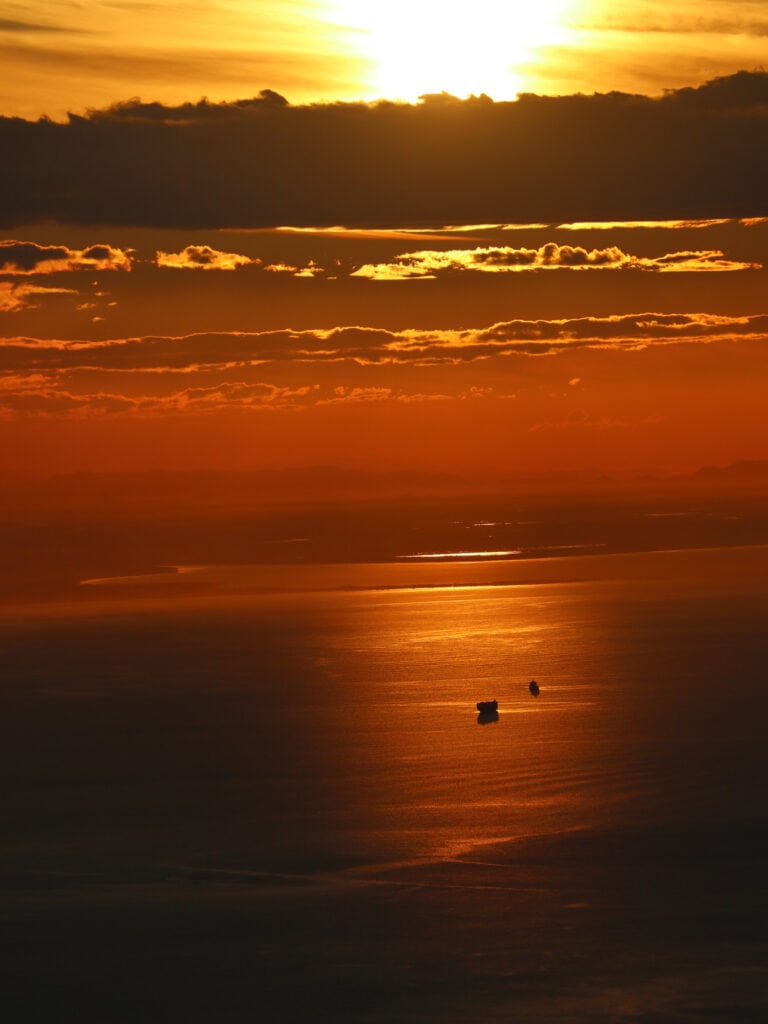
{"x":551,"y":256}
{"x":24,"y":27}
{"x":655,"y":17}
{"x":610,"y":225}
{"x":366,"y":346}
{"x":14,"y":298}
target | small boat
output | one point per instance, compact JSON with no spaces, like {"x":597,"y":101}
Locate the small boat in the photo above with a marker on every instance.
{"x":487,"y":707}
{"x":533,"y":686}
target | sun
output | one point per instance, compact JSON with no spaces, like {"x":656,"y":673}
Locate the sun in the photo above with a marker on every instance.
{"x":413,"y":47}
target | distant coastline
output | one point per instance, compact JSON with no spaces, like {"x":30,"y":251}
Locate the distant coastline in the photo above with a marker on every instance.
{"x":55,"y":555}
{"x":736,"y":560}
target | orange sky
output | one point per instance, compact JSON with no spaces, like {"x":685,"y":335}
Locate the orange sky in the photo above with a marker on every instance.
{"x":61,"y":57}
{"x":543,"y":284}
{"x":228,"y":352}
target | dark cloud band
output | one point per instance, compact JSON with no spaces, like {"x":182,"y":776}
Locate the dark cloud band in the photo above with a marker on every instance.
{"x":693,"y":153}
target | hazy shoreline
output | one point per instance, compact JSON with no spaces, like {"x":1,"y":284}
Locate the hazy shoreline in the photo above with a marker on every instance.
{"x":46,"y":559}
{"x":498,"y":572}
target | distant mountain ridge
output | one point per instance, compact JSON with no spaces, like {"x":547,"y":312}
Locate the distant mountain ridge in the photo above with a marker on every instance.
{"x":745,"y":469}
{"x":205,"y":488}
{"x":161,"y":488}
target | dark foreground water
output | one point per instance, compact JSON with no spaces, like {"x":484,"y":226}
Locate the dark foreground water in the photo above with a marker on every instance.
{"x":243,"y":807}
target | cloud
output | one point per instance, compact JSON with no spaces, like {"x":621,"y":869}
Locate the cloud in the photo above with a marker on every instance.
{"x":281,"y":268}
{"x":654,"y":17}
{"x":17,"y":297}
{"x":343,"y":395}
{"x":31,"y":258}
{"x":403,"y":269}
{"x":624,"y":331}
{"x":311,"y":269}
{"x":472,"y":228}
{"x":228,"y":397}
{"x":283,"y":370}
{"x":346,"y":395}
{"x":690,"y":154}
{"x":582,"y":419}
{"x":11,"y":25}
{"x":697,"y":259}
{"x":202,"y":257}
{"x":340,"y":231}
{"x":609,"y":225}
{"x":670,"y":224}
{"x":220,"y":351}
{"x":183,"y":113}
{"x":505,"y":259}
{"x":37,"y":397}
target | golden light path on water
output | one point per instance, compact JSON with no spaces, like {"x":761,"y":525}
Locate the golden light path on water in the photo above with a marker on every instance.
{"x":434,"y":46}
{"x":440,"y":555}
{"x":383,"y":690}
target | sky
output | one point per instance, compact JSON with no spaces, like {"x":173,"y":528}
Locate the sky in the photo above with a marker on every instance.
{"x":506,"y":237}
{"x":71,"y":55}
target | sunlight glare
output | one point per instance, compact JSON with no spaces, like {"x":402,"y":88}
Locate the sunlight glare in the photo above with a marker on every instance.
{"x":415,"y":47}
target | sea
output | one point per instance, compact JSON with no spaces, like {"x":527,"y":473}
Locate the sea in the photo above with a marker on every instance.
{"x":253,"y":791}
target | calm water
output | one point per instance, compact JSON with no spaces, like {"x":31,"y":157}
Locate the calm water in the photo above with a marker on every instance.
{"x":246,"y":806}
